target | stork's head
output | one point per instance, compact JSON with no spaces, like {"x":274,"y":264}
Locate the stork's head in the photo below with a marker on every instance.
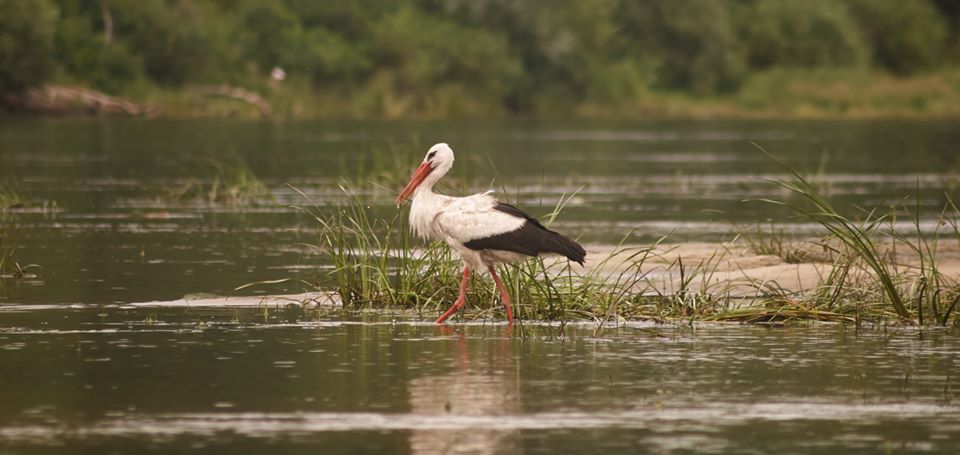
{"x":436,"y":163}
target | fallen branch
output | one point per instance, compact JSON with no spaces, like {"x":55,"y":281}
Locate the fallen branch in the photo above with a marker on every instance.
{"x":59,"y":99}
{"x":237,"y":93}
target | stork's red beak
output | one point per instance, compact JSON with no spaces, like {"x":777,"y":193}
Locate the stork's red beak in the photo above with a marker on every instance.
{"x":418,"y":175}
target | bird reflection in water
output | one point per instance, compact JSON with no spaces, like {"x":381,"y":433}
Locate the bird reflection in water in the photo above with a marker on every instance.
{"x":485,"y":386}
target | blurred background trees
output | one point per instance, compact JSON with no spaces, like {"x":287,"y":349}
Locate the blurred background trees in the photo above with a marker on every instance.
{"x":26,"y":43}
{"x":467,"y":56}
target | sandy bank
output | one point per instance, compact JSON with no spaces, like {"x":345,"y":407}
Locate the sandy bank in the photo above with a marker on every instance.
{"x":735,"y":269}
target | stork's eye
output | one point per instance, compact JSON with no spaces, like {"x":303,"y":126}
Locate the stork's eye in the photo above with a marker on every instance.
{"x":431,"y":154}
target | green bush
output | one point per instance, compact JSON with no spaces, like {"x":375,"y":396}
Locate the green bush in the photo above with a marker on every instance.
{"x":166,"y":35}
{"x":330,"y":56}
{"x":26,"y":43}
{"x":483,"y":56}
{"x":907,"y":36}
{"x":694,"y":41}
{"x":87,"y":56}
{"x":423,"y":51}
{"x":805,"y":34}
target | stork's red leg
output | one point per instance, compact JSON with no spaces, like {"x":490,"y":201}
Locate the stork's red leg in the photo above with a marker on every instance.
{"x":460,"y":300}
{"x":503,"y":293}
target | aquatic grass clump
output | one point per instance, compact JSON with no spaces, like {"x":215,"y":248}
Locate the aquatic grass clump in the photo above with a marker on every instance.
{"x":913,"y":292}
{"x":376,"y":264}
{"x":229,"y":182}
{"x":868,"y":272}
{"x":12,"y":202}
{"x":11,"y":199}
{"x":8,"y":199}
{"x":9,"y":267}
{"x":373,"y":262}
{"x":775,"y":242}
{"x":550,"y":289}
{"x":381,"y":165}
{"x":934,"y":295}
{"x":6,"y":250}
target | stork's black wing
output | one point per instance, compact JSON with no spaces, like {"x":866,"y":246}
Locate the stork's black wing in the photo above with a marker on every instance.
{"x":531,"y":238}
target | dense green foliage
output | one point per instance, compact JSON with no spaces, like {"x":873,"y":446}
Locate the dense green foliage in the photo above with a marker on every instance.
{"x":470,"y":56}
{"x":26,"y":42}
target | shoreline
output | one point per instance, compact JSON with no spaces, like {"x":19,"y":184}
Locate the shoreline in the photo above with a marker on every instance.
{"x":933,"y":96}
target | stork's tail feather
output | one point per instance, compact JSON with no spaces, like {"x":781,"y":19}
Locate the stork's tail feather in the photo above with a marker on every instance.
{"x":560,"y":244}
{"x":531,"y":239}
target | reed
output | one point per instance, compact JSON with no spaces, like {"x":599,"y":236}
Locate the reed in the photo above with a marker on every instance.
{"x":10,"y":198}
{"x":375,"y":263}
{"x":6,"y":249}
{"x":932,"y":295}
{"x":13,"y":200}
{"x":9,"y":267}
{"x":913,"y":291}
{"x":775,"y":242}
{"x":859,"y":237}
{"x":229,"y":182}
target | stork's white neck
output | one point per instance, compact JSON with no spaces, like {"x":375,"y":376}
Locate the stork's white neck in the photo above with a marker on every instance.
{"x":425,"y":204}
{"x":425,"y":190}
{"x":424,"y":207}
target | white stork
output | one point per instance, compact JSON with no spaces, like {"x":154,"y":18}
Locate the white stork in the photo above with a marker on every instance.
{"x":485,"y":232}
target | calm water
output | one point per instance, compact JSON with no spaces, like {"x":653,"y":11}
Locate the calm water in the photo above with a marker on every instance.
{"x":168,"y":380}
{"x":101,"y":375}
{"x":120,"y":238}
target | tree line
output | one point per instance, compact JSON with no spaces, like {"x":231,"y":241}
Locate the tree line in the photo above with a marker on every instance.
{"x":508,"y":55}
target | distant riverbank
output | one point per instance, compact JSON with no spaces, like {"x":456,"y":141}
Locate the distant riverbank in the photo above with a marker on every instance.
{"x":775,"y":94}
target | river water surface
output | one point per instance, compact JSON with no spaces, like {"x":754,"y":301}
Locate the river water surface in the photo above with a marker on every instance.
{"x":88,"y":367}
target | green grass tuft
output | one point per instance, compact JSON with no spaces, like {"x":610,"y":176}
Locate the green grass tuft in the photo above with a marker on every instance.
{"x":913,"y":292}
{"x":873,"y":273}
{"x":229,"y":182}
{"x":377,"y":263}
{"x":9,"y":267}
{"x":11,"y":199}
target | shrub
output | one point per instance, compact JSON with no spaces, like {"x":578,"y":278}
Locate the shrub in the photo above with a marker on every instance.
{"x":26,"y":43}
